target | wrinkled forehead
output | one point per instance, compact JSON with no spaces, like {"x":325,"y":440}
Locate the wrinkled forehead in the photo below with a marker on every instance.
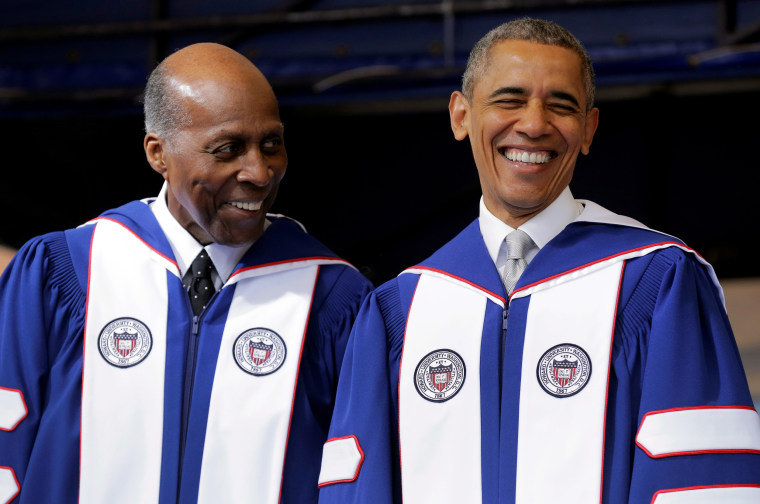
{"x":529,"y":52}
{"x":531,"y":64}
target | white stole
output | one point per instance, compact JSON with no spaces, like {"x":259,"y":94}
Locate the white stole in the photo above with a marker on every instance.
{"x":561,"y":437}
{"x":440,"y":442}
{"x":123,"y":407}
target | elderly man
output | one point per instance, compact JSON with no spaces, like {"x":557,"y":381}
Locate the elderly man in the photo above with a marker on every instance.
{"x":605,"y":372}
{"x":184,"y":348}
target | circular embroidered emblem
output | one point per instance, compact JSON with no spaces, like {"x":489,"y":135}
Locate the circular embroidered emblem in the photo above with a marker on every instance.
{"x":125,"y":342}
{"x":564,"y":370}
{"x":439,"y":375}
{"x":259,"y":351}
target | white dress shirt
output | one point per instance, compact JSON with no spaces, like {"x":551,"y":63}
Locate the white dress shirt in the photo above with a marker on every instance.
{"x":541,"y":228}
{"x":186,"y":247}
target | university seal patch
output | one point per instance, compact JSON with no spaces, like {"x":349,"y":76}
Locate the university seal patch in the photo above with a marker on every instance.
{"x":125,"y":342}
{"x":564,"y":370}
{"x":439,"y":375}
{"x":259,"y":351}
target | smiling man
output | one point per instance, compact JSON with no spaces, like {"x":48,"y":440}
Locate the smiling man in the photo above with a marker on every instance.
{"x":553,"y":351}
{"x":184,"y":348}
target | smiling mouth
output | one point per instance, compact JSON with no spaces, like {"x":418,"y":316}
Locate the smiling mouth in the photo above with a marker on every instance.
{"x":525,"y":157}
{"x":245,"y":205}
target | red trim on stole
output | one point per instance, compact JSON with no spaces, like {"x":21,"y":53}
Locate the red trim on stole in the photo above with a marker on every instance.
{"x":660,"y":244}
{"x":398,"y":389}
{"x":84,"y":349}
{"x":463,"y":280}
{"x":300,"y":259}
{"x":609,"y":372}
{"x":295,"y":385}
{"x":136,"y":236}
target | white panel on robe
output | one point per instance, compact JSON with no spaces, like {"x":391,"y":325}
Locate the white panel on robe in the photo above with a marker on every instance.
{"x":123,"y":378}
{"x":561,"y":424}
{"x":249,"y":415}
{"x":440,"y":441}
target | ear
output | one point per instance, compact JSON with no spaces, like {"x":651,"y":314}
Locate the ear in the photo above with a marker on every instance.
{"x":155,"y":150}
{"x":459,"y":114}
{"x":592,"y":121}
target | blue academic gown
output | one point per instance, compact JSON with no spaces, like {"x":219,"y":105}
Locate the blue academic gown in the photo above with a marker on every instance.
{"x":672,"y":348}
{"x":43,"y":295}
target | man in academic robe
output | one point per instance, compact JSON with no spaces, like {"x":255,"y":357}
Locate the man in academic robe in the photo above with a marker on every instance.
{"x":183,"y":348}
{"x":553,"y":351}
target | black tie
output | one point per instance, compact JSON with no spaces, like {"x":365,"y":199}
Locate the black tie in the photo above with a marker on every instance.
{"x":198,"y":283}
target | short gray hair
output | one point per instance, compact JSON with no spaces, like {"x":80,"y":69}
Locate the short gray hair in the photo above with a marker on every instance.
{"x":532,"y":30}
{"x":164,"y":112}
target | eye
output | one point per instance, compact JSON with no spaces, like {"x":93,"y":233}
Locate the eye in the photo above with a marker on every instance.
{"x":228,"y":150}
{"x":563,"y":108}
{"x":271,"y":145}
{"x":509,"y":103}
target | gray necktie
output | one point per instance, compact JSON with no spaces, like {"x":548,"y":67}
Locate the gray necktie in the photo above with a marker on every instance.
{"x":518,"y":243}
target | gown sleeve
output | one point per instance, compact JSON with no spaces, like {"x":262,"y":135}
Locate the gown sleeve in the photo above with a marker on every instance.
{"x":360,"y":461}
{"x":41,"y":309}
{"x":697,"y":428}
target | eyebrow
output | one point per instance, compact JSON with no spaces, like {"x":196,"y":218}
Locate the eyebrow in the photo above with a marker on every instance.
{"x":509,"y":90}
{"x":232,"y":133}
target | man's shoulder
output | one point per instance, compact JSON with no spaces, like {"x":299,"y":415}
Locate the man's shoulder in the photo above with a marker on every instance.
{"x":649,"y":254}
{"x":134,"y":214}
{"x":61,"y":247}
{"x":657,"y":263}
{"x":286,"y":239}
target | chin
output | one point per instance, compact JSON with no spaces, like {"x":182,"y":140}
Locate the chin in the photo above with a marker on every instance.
{"x":239,"y":239}
{"x":234,"y":241}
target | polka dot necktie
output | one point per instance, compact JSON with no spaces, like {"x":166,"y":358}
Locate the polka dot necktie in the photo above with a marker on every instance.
{"x":518,"y":244}
{"x":198,"y":282}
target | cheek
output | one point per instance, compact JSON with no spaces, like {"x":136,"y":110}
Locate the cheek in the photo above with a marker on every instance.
{"x":573,"y":133}
{"x":279,"y":167}
{"x":491,"y":128}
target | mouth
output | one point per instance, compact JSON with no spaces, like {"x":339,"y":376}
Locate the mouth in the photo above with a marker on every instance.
{"x":527,"y":157}
{"x":250,"y":206}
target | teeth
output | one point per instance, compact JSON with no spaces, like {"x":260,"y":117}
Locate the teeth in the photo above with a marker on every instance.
{"x":246,"y":206}
{"x":527,"y":157}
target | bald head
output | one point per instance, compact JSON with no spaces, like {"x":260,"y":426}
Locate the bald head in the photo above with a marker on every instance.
{"x":196,"y":73}
{"x":214,"y":134}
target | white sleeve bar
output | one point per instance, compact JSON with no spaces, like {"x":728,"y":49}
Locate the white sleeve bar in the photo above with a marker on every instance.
{"x":341,"y":460}
{"x":738,"y":494}
{"x":12,"y":408}
{"x":8,"y":485}
{"x":690,"y":431}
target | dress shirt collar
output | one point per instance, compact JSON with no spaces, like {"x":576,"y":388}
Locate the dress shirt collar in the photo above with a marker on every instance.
{"x":541,"y":228}
{"x":186,"y":247}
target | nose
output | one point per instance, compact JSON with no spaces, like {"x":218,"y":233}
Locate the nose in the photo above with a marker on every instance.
{"x":533,"y":121}
{"x":254,"y":168}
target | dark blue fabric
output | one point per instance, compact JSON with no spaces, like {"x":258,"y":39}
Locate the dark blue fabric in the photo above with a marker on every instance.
{"x":176,"y":349}
{"x":466,"y":256}
{"x":491,"y":352}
